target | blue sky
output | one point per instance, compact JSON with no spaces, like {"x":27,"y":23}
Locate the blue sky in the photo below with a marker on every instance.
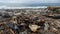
{"x":30,"y":1}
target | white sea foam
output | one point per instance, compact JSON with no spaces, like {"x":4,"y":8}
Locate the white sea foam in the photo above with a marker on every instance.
{"x":5,"y":7}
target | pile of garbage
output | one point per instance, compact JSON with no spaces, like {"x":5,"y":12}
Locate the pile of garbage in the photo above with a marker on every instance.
{"x":30,"y":24}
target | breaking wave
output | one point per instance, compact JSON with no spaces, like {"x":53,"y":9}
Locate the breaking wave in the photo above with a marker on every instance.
{"x":6,"y":7}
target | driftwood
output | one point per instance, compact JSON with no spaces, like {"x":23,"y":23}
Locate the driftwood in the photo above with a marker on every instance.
{"x":31,"y":24}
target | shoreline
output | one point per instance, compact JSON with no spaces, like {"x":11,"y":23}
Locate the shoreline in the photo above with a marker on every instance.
{"x":23,"y":7}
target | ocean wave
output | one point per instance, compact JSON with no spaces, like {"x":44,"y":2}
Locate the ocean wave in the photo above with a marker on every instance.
{"x":6,"y":7}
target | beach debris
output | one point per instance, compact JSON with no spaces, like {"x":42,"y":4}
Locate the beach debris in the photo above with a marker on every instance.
{"x":34,"y":27}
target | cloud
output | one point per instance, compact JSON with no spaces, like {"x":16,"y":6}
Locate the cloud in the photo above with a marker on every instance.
{"x":10,"y":1}
{"x":30,"y":1}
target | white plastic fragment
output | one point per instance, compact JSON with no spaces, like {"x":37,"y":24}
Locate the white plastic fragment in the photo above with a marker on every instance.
{"x":34,"y":27}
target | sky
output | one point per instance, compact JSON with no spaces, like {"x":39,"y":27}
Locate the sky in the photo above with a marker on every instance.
{"x":30,"y":1}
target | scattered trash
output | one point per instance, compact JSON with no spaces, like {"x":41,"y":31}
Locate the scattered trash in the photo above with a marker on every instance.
{"x":29,"y":24}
